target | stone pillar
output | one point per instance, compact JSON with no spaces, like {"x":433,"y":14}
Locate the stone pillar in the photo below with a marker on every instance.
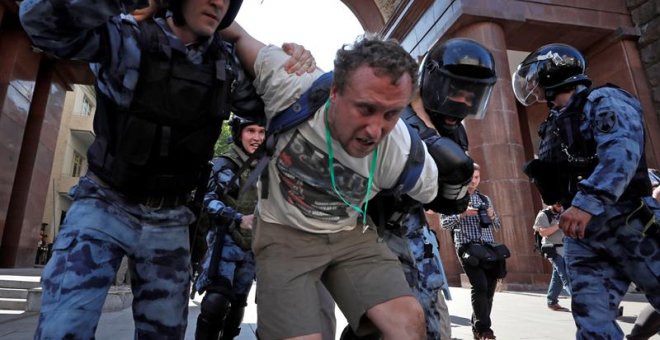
{"x":496,"y":144}
{"x":25,"y":209}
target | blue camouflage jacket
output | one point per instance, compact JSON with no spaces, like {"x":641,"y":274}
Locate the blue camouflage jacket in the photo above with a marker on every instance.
{"x":613,"y":118}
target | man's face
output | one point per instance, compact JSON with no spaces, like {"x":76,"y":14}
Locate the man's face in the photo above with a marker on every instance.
{"x":462,"y":96}
{"x":251,"y":137}
{"x":476,"y":178}
{"x":204,"y":16}
{"x":367,"y":110}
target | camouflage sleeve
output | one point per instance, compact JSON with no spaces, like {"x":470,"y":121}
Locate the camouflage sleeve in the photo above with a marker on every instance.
{"x":219,"y":181}
{"x":614,"y":119}
{"x":450,"y":221}
{"x":72,"y":29}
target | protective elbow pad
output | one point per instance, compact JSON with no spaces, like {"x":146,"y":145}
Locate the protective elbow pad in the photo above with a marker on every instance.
{"x":448,"y":207}
{"x":455,"y":168}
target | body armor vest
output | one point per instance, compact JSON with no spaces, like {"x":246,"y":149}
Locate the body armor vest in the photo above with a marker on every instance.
{"x":161,"y":142}
{"x":244,"y":203}
{"x":571,"y":157}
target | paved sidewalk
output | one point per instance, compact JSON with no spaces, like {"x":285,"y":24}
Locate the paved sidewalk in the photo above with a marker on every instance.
{"x":516,"y":315}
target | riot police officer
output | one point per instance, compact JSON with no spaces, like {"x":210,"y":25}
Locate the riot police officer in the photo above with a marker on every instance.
{"x":229,"y":268}
{"x":164,"y":86}
{"x":591,"y":159}
{"x":456,"y":79}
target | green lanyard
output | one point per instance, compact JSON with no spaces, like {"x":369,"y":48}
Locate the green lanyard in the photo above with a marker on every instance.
{"x":331,"y":167}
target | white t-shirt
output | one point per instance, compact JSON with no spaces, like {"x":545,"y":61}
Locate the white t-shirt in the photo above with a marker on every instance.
{"x":300,"y":190}
{"x":557,"y":237}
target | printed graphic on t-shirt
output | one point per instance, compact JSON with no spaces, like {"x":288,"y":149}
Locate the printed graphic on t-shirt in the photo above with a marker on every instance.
{"x":305,"y":181}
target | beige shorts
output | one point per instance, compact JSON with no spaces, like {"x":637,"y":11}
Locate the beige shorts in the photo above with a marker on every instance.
{"x":359,"y":271}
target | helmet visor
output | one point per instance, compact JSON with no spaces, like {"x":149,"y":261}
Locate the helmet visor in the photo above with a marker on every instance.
{"x":457,"y":96}
{"x":525,"y":83}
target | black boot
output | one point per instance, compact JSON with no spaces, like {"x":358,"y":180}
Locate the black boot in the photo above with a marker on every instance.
{"x":233,"y":322}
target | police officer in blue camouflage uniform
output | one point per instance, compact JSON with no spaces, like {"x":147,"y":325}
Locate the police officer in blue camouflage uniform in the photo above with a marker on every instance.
{"x":229,"y":241}
{"x":456,"y":79}
{"x":164,"y":86}
{"x":591,"y":159}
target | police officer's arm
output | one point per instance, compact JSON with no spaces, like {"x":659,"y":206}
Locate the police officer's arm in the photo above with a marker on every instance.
{"x":619,"y":149}
{"x":247,"y":48}
{"x":74,"y":29}
{"x":450,"y":221}
{"x":218,"y":183}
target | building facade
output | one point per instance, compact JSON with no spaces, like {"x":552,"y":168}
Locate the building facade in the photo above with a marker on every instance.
{"x":620,"y":48}
{"x":619,"y":39}
{"x":70,"y":160}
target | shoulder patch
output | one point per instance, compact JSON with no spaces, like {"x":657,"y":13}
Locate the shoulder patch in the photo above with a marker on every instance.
{"x":606,"y":121}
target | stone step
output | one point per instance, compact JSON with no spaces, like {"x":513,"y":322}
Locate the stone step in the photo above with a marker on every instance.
{"x":19,"y":282}
{"x":13,"y":293}
{"x":13,"y":304}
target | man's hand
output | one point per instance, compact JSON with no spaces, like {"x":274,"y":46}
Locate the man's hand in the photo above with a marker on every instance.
{"x":491,"y":213}
{"x":574,"y":222}
{"x":301,"y":60}
{"x":470,"y":212}
{"x":246,"y":222}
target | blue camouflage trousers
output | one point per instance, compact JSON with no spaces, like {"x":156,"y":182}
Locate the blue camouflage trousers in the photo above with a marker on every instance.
{"x":236,"y":265}
{"x":421,"y":266}
{"x":601,"y":266}
{"x":100,"y":228}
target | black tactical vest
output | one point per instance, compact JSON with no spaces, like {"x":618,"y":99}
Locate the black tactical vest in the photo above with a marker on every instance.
{"x":160,"y":143}
{"x":573,"y":157}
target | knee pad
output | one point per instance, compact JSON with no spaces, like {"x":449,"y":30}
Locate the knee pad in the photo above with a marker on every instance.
{"x":214,"y":306}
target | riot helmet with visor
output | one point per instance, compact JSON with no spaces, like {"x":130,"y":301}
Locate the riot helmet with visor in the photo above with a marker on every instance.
{"x":456,"y":80}
{"x":547,"y":71}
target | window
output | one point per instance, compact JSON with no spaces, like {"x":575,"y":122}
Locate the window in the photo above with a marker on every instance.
{"x":87,"y":106}
{"x":76,"y":164}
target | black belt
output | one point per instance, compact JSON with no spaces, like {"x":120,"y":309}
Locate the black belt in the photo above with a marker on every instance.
{"x":162,"y":201}
{"x":151,"y":201}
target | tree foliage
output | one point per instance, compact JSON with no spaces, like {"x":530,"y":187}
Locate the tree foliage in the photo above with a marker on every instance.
{"x":224,"y":142}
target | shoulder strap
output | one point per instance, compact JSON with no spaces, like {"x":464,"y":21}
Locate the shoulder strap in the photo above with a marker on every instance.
{"x":310,"y":101}
{"x":549,"y":214}
{"x":484,"y":198}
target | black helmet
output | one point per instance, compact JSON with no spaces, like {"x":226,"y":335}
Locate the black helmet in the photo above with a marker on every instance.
{"x":177,"y":15}
{"x":456,"y":65}
{"x":236,"y":124}
{"x":546,"y":71}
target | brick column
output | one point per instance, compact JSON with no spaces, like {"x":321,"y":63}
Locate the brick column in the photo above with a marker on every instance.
{"x":496,"y":144}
